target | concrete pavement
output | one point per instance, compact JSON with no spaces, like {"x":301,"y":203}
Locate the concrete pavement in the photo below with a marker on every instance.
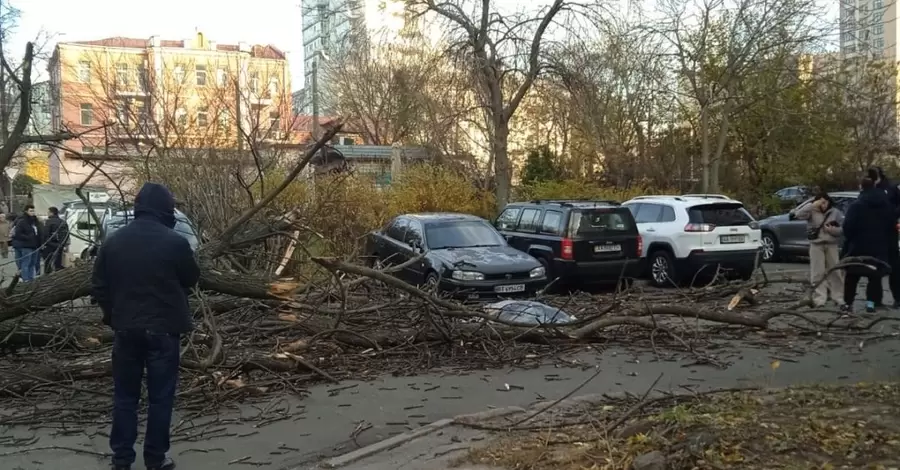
{"x":335,"y":420}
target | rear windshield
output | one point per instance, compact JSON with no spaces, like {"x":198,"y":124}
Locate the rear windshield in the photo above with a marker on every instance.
{"x":722,"y":214}
{"x":600,"y":221}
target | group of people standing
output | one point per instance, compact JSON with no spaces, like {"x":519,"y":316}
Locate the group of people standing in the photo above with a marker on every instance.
{"x":33,"y":241}
{"x":869,"y":229}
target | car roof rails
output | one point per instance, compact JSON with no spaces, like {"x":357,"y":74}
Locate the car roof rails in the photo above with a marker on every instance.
{"x":659,"y":196}
{"x":708,"y":196}
{"x":572,"y":202}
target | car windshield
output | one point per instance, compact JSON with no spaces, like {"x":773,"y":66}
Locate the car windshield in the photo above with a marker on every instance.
{"x":598,"y":221}
{"x":182,"y":226}
{"x":462,"y":234}
{"x":722,"y":214}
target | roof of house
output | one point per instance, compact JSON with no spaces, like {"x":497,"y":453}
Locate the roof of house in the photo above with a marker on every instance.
{"x":267,"y":51}
{"x":378,"y":152}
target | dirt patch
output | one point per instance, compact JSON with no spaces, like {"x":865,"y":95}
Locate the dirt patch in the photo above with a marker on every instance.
{"x":856,"y":427}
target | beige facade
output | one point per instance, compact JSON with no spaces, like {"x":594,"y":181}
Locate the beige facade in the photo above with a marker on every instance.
{"x":127,"y":97}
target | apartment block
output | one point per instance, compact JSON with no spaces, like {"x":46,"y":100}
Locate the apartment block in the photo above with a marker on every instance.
{"x":869,"y":28}
{"x":129,"y":95}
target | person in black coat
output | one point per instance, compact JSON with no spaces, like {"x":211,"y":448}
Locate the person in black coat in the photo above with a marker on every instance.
{"x":56,"y":232}
{"x":893,"y":195}
{"x":867,"y":231}
{"x":26,"y":241}
{"x":141,"y":280}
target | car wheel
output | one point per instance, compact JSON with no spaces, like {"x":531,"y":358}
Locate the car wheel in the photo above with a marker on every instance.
{"x":662,"y":269}
{"x":769,"y":247}
{"x":431,"y":283}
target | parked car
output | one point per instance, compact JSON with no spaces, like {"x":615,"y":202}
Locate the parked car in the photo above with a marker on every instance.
{"x":460,"y":254}
{"x":783,"y":237}
{"x":114,"y":219}
{"x":686,"y":234}
{"x":579,"y":242}
{"x":793,"y":194}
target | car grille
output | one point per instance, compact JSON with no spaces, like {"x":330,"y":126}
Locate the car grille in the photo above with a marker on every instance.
{"x":497,"y":277}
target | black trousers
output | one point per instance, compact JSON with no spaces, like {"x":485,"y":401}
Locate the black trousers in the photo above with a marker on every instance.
{"x":53,"y":260}
{"x":874,"y":292}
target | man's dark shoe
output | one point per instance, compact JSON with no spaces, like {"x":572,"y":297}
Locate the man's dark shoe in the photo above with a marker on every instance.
{"x":167,"y":464}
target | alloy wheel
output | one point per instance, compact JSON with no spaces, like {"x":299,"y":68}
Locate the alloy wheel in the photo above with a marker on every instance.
{"x":768,"y":248}
{"x":659,"y":269}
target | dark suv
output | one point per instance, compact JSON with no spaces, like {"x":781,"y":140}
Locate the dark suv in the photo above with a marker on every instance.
{"x":577,"y":241}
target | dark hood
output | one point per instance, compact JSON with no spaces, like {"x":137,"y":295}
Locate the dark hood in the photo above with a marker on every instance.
{"x":874,"y":198}
{"x":488,"y":259}
{"x":155,"y":201}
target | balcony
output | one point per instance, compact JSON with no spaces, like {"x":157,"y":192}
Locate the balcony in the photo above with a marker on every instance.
{"x":129,"y":88}
{"x":133,"y":131}
{"x":257,"y":99}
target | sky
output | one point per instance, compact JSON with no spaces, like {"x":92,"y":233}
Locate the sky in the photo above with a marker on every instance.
{"x":275,"y":22}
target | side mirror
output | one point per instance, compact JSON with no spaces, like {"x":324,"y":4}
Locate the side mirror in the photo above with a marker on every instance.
{"x":415,"y":245}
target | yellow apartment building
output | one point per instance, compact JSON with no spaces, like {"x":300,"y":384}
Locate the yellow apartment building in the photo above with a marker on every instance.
{"x":128,"y":96}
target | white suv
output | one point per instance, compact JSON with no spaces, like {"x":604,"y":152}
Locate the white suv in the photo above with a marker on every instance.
{"x":686,"y":234}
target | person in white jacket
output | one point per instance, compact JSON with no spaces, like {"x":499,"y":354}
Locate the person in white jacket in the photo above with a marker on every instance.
{"x":823,"y":229}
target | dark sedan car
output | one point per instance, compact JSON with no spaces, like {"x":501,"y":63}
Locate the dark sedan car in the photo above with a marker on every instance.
{"x":460,"y":254}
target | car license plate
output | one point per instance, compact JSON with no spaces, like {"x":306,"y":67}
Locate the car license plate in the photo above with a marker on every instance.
{"x":732,"y":239}
{"x":607,"y":248}
{"x":509,"y":288}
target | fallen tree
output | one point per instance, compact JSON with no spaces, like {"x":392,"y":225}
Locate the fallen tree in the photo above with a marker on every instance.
{"x":73,"y":283}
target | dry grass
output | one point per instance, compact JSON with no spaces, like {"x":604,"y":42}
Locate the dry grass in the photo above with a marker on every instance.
{"x":853,"y":427}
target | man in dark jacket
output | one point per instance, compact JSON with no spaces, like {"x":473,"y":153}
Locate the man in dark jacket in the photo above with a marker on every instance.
{"x":26,"y":240}
{"x":867,"y":231}
{"x":57,"y":232}
{"x":141,"y":279}
{"x":893,"y":195}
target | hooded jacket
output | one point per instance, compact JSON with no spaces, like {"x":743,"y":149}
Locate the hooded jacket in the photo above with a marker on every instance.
{"x":868,"y":225}
{"x":144,"y":270}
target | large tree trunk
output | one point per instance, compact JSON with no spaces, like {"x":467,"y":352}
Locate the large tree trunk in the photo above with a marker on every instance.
{"x":502,"y":165}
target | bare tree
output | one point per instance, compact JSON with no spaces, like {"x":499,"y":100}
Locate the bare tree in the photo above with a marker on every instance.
{"x":714,"y":45}
{"x":504,"y":55}
{"x":215,"y":134}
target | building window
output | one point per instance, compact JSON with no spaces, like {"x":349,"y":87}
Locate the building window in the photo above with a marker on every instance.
{"x":87,"y":114}
{"x":273,"y":86}
{"x":877,"y":4}
{"x":254,"y":82}
{"x":201,"y":75}
{"x":87,"y":150}
{"x":221,"y":77}
{"x":181,"y":118}
{"x":879,"y":43}
{"x":84,"y":71}
{"x":203,"y":117}
{"x":879,"y":29}
{"x":122,"y":75}
{"x":273,"y":121}
{"x":178,"y":74}
{"x":223,"y":120}
{"x":122,"y":112}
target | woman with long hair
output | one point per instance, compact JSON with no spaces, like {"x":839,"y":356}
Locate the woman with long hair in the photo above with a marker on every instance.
{"x":823,"y":229}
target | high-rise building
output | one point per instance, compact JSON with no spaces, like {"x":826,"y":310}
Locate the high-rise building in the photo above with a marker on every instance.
{"x":869,"y":27}
{"x":331,"y":27}
{"x":123,"y":95}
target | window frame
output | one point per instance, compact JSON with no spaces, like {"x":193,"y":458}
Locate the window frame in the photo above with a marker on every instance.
{"x":84,"y":71}
{"x":203,"y":116}
{"x":515,"y":220}
{"x":87,"y":107}
{"x":534,"y":221}
{"x":557,"y":229}
{"x":644,"y":206}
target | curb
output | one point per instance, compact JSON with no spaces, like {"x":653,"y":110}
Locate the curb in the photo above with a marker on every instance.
{"x":400,"y":439}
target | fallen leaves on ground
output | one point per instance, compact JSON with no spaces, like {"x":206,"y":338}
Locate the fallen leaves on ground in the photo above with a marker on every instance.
{"x":817,"y":427}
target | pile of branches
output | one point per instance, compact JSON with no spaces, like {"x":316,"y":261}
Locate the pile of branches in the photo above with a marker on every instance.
{"x":259,"y":333}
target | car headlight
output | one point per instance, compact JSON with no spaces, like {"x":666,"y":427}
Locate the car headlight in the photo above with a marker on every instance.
{"x":537,"y":272}
{"x":467,"y":276}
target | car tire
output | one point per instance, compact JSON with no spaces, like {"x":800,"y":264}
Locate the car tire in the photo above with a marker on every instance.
{"x":432,"y":282}
{"x":662,"y":269}
{"x":769,"y":247}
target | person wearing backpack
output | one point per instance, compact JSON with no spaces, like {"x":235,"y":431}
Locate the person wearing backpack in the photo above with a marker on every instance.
{"x":823,"y":229}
